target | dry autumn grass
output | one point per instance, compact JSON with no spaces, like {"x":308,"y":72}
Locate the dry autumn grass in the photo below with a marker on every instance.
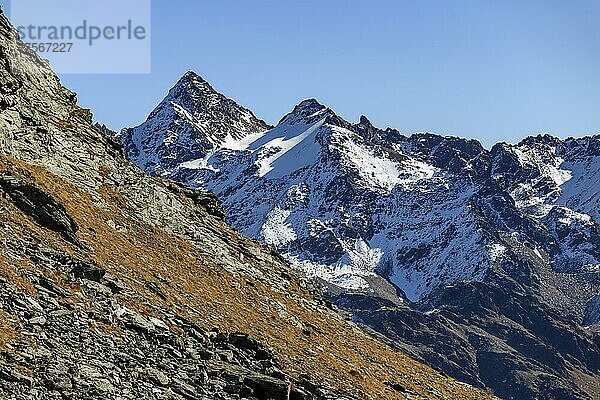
{"x":8,"y":329}
{"x":199,"y":289}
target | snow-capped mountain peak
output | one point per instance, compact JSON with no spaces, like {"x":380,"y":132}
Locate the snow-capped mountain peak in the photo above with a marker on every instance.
{"x":349,"y":202}
{"x":191,"y":82}
{"x":388,"y":223}
{"x":192,"y":122}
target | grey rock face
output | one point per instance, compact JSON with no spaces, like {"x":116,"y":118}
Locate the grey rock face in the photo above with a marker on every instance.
{"x":145,"y":360}
{"x":64,"y":349}
{"x":43,"y":208}
{"x":106,"y":130}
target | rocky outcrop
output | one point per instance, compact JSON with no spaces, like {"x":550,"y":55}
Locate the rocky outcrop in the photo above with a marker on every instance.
{"x":108,"y":350}
{"x":40,"y":206}
{"x":106,"y":130}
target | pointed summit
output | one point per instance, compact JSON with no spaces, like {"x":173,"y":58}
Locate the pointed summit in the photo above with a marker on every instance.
{"x":191,"y":122}
{"x":190,"y":74}
{"x":309,"y":104}
{"x":193,"y":90}
{"x":364,"y":121}
{"x":191,"y":81}
{"x":307,"y":112}
{"x":309,"y":107}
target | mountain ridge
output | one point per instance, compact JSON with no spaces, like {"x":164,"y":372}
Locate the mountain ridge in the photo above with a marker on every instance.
{"x":413,"y":221}
{"x":114,"y":284}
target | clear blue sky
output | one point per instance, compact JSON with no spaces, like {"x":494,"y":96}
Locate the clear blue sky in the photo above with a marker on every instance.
{"x":494,"y":70}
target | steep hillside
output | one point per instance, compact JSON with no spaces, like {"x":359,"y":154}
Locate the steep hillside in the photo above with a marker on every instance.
{"x":436,"y":242}
{"x":117,"y":285}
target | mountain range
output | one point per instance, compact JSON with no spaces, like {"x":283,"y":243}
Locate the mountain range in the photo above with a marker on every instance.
{"x":118,"y":285}
{"x":483,"y":263}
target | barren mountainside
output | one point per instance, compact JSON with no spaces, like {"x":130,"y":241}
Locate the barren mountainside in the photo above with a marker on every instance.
{"x":116,"y":285}
{"x":484,"y":263}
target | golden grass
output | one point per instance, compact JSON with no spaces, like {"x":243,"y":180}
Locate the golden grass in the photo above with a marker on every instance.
{"x":9,"y":271}
{"x":8,"y":331}
{"x":335,"y":352}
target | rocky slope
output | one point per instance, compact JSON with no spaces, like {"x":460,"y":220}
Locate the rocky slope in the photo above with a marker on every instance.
{"x":115,"y":285}
{"x":433,"y":241}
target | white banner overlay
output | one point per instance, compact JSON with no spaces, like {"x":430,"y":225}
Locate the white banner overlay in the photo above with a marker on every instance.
{"x":87,"y":36}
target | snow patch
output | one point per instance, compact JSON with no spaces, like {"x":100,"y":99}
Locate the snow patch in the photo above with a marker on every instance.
{"x":497,"y":251}
{"x":273,"y":151}
{"x":276,"y":230}
{"x":201,"y":163}
{"x":381,"y":172}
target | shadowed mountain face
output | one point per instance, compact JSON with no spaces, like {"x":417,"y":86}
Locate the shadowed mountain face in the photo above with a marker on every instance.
{"x":482,"y":263}
{"x":117,"y":285}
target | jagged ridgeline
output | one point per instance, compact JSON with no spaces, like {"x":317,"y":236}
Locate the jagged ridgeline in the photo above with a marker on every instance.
{"x":117,"y":285}
{"x":483,"y":263}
